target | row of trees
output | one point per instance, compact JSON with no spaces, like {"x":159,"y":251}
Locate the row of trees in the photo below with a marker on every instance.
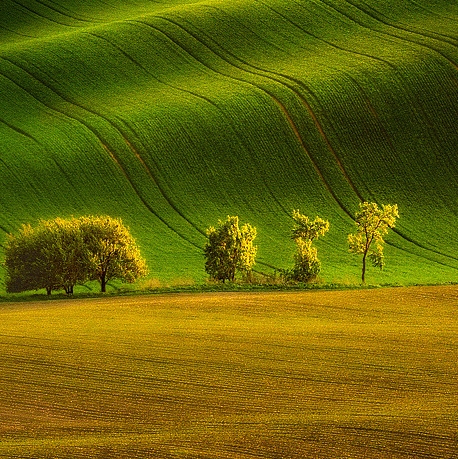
{"x":230,"y":249}
{"x":61,"y":253}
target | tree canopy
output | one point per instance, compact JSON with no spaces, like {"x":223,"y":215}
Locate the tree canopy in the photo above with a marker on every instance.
{"x":112,"y":251}
{"x":230,"y":249}
{"x":306,"y":263}
{"x":59,"y":254}
{"x":372,"y":223}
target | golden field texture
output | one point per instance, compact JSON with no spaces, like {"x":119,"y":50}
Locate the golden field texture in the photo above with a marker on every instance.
{"x":324,"y":374}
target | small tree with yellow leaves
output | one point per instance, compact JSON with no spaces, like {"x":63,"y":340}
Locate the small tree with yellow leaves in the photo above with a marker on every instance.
{"x":372,"y":223}
{"x":306,"y":263}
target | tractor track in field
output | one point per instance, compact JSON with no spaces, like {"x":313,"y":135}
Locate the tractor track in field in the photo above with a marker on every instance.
{"x":193,"y":94}
{"x":104,"y":145}
{"x":294,"y":99}
{"x":274,"y":76}
{"x":19,"y":130}
{"x":32,"y":12}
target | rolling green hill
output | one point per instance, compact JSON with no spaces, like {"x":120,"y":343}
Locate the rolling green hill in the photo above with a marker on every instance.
{"x":172,"y":114}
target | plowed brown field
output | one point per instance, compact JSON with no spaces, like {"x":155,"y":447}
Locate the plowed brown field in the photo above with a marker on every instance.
{"x":338,"y":374}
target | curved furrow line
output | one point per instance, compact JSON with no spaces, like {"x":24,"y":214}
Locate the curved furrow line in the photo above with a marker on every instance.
{"x":142,"y":199}
{"x":313,"y":162}
{"x":129,"y":145}
{"x":373,"y":112}
{"x":384,"y":32}
{"x":253,"y":32}
{"x":257,"y":71}
{"x":331,"y":43}
{"x":18,"y":130}
{"x":51,"y":110}
{"x":340,"y":48}
{"x":269,"y":93}
{"x":331,"y":148}
{"x":414,"y":106}
{"x":137,"y":154}
{"x":348,"y":213}
{"x":301,"y":84}
{"x":71,"y":16}
{"x":34,"y":13}
{"x":432,"y":12}
{"x":15,"y":32}
{"x":425,"y":247}
{"x":160,"y":188}
{"x":392,"y":66}
{"x":378,"y":15}
{"x":320,"y":129}
{"x":102,"y":143}
{"x":347,"y":50}
{"x":196,"y":95}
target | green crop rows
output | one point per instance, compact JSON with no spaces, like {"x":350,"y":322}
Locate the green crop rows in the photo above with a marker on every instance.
{"x":174,"y":114}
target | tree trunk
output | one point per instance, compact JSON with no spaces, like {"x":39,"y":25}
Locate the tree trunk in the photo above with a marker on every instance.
{"x":103,"y":283}
{"x":363,"y":274}
{"x":48,"y":290}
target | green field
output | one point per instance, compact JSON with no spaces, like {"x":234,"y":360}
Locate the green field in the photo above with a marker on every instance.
{"x":173,"y":114}
{"x":337,"y":374}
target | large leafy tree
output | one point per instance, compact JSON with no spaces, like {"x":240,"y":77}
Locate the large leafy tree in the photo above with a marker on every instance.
{"x":230,"y":249}
{"x":372,"y":223}
{"x":60,"y":253}
{"x":112,"y":251}
{"x":48,"y":256}
{"x":306,"y":263}
{"x":63,"y":245}
{"x":24,"y":262}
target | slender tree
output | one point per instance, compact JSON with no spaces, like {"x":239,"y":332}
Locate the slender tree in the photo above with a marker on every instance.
{"x":230,"y":249}
{"x":306,"y":263}
{"x":372,"y":223}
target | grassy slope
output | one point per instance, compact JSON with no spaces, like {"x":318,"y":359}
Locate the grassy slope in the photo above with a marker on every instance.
{"x":172,"y":115}
{"x":294,"y":375}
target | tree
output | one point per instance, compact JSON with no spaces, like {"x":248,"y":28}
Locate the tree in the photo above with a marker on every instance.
{"x":230,"y":249}
{"x":59,"y":253}
{"x":372,"y":224}
{"x":22,"y":262}
{"x":48,"y":256}
{"x":306,"y":263}
{"x":112,"y":251}
{"x":63,"y":247}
